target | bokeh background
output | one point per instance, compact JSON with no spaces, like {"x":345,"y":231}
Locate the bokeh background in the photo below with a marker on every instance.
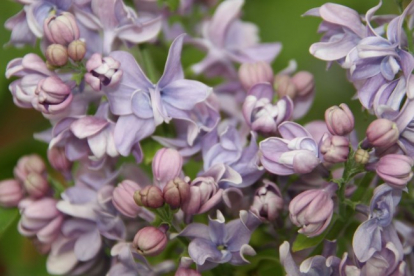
{"x":279,"y":20}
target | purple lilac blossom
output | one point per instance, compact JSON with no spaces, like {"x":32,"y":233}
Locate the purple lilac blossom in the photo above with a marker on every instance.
{"x":220,"y":242}
{"x":295,"y":152}
{"x":227,"y":39}
{"x":141,"y":105}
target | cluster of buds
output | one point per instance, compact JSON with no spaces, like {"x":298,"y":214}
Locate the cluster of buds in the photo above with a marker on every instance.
{"x":340,"y":123}
{"x":63,"y":32}
{"x":299,"y":85}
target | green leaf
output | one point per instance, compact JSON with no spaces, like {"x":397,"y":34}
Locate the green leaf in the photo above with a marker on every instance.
{"x":7,"y":216}
{"x":302,"y":242}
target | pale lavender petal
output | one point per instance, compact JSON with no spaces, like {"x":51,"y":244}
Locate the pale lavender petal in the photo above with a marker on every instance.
{"x":139,"y":33}
{"x":185,"y":94}
{"x":173,"y":69}
{"x":291,"y":130}
{"x":367,"y":240}
{"x":201,"y":250}
{"x":262,"y":90}
{"x":88,"y":245}
{"x":224,"y":15}
{"x":88,"y":126}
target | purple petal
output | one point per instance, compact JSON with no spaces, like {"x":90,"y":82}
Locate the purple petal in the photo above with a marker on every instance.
{"x":173,"y":69}
{"x":130,"y":130}
{"x":88,"y":245}
{"x":185,"y":94}
{"x":224,"y":15}
{"x":141,"y":105}
{"x":367,"y":240}
{"x":287,"y":260}
{"x":262,"y":90}
{"x":88,"y":126}
{"x":201,"y":250}
{"x":291,"y":130}
{"x":216,"y":228}
{"x":142,"y":32}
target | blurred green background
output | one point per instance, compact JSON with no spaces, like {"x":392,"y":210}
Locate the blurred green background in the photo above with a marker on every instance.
{"x":279,"y":20}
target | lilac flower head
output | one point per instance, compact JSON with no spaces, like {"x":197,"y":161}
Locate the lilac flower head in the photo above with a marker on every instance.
{"x":377,"y":230}
{"x":225,"y":146}
{"x":343,"y":30}
{"x":295,"y":152}
{"x":227,"y":39}
{"x":141,"y":105}
{"x":220,"y":242}
{"x":259,"y":112}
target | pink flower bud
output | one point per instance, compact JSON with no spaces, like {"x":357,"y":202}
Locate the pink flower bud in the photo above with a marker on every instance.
{"x":28,"y":164}
{"x":61,"y":29}
{"x":176,"y":192}
{"x":102,"y":71}
{"x":123,"y":198}
{"x":395,"y":170}
{"x":57,"y":55}
{"x":40,"y":218}
{"x":57,"y":158}
{"x":312,"y":210}
{"x":204,"y":195}
{"x":11,"y":192}
{"x":304,"y":83}
{"x":150,"y":241}
{"x":36,"y":185}
{"x":335,"y":149}
{"x":361,"y":156}
{"x":382,"y":133}
{"x":284,"y":86}
{"x":268,"y":202}
{"x":254,"y":73}
{"x":150,"y":196}
{"x":77,"y":50}
{"x":339,"y":120}
{"x":53,"y":95}
{"x":166,"y":165}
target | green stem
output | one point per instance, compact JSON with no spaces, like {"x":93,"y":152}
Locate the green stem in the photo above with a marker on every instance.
{"x":149,"y":65}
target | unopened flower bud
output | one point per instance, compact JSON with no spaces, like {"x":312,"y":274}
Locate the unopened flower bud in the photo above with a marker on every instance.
{"x":150,"y":241}
{"x":254,"y":73}
{"x":36,"y":185}
{"x":56,"y":55}
{"x":335,"y":149}
{"x":61,"y":29}
{"x":268,"y":202}
{"x":303,"y":82}
{"x":312,"y":210}
{"x":102,"y":71}
{"x":40,"y":218}
{"x":176,"y":192}
{"x":361,"y":156}
{"x":57,"y":158}
{"x":150,"y":196}
{"x":123,"y":198}
{"x":382,"y":133}
{"x":28,"y":164}
{"x":284,"y":86}
{"x":166,"y":165}
{"x":11,"y":192}
{"x":77,"y":50}
{"x":395,"y":170}
{"x":53,"y":95}
{"x":339,"y":120}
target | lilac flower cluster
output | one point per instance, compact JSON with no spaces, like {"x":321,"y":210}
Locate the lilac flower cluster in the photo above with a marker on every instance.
{"x":213,"y":165}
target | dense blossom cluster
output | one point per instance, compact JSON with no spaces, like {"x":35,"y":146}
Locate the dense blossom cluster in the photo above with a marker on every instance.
{"x":231,"y":160}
